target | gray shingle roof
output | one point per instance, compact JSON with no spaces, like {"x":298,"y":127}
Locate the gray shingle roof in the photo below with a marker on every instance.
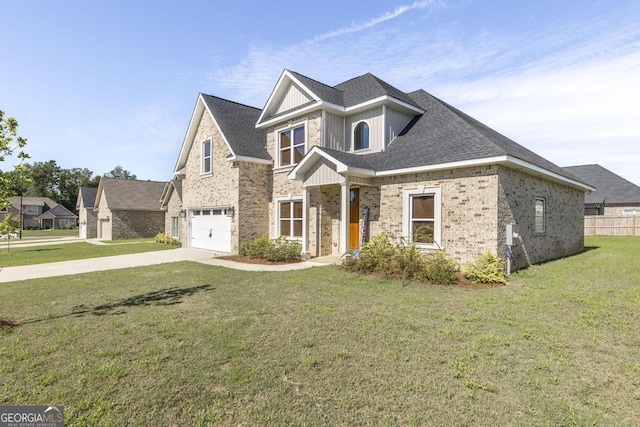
{"x":325,"y":92}
{"x":132,"y":194}
{"x":610,"y":188}
{"x":237,"y":123}
{"x":444,"y":134}
{"x":88,"y":195}
{"x":367,"y":87}
{"x":60,"y":211}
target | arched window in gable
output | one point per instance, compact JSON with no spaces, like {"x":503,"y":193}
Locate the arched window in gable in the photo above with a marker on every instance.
{"x":361,"y":136}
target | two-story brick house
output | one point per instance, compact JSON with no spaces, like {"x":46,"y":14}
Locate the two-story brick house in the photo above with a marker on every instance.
{"x":331,"y":165}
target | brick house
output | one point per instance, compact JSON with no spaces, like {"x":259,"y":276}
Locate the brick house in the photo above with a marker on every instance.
{"x":613,"y":195}
{"x":87,"y":216}
{"x":128,"y":208}
{"x":171,"y":203}
{"x":39,"y":213}
{"x":332,"y":165}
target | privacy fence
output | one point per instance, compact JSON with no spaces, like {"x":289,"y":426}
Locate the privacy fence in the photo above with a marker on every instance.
{"x":612,"y":225}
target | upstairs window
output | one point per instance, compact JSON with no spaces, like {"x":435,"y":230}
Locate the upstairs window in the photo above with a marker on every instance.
{"x":361,"y":136}
{"x":31,"y":210}
{"x":540,"y":216}
{"x":206,"y":156}
{"x":291,"y":146}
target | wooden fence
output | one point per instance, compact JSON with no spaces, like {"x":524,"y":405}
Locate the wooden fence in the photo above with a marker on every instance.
{"x":612,"y":225}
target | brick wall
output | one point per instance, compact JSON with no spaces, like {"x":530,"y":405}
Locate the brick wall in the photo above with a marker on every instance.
{"x":134,"y":224}
{"x":173,"y":210}
{"x":564,"y":216}
{"x":218,"y":188}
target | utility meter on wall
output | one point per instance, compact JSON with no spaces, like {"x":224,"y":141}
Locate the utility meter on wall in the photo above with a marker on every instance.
{"x":512,"y":234}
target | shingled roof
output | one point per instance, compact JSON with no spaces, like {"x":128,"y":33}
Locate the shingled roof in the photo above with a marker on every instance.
{"x":130,"y":194}
{"x":237,"y":123}
{"x":88,"y":195}
{"x":610,"y":188}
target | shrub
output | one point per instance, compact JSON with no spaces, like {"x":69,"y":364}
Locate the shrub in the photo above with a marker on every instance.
{"x":382,"y":255}
{"x":439,"y":269}
{"x":486,"y":269}
{"x":165,"y":238}
{"x":277,"y":250}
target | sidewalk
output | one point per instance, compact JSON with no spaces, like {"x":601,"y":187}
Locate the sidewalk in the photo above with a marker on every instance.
{"x":39,"y":271}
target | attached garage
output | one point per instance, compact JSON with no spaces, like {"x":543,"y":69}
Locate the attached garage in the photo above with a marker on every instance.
{"x":210,"y":229}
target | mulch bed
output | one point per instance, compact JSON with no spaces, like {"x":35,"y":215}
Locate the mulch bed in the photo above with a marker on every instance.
{"x":250,"y":260}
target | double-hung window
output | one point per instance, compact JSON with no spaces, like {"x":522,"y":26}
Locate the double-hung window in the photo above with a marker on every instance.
{"x":291,"y":145}
{"x":31,"y":210}
{"x":540,"y":215}
{"x":206,"y":156}
{"x":290,"y":218}
{"x":175,"y":230}
{"x":422,"y":216}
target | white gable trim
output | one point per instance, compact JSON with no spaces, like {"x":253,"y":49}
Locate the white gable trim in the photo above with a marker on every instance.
{"x":285,"y":79}
{"x":315,"y":154}
{"x":196,"y":117}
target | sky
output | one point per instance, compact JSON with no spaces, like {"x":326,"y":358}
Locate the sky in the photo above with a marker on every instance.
{"x":100,"y":84}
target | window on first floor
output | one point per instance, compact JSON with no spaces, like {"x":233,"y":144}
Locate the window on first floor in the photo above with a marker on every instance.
{"x":290,"y":218}
{"x":539,"y":221}
{"x":422,"y":216}
{"x":291,"y":146}
{"x":64,"y":223}
{"x":175,"y":227}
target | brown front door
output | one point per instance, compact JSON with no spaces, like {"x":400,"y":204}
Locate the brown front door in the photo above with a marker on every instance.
{"x":354,"y":219}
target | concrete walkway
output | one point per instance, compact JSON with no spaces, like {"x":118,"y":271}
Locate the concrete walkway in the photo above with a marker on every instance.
{"x":39,"y":271}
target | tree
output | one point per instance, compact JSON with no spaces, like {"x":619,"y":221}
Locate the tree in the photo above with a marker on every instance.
{"x":8,"y":226}
{"x":45,"y":177}
{"x":120,"y":173}
{"x":9,"y":143}
{"x":69,"y":182}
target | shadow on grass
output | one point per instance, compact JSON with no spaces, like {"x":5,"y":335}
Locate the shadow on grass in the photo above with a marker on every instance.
{"x":42,"y":250}
{"x":168,"y":296}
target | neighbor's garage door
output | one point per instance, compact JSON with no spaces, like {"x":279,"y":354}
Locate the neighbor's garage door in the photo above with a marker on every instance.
{"x":211,"y":229}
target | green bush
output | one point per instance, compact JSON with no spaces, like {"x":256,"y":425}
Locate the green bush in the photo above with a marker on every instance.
{"x":165,"y":238}
{"x":383,"y":255}
{"x":439,"y":269}
{"x":486,"y":269}
{"x":277,"y":250}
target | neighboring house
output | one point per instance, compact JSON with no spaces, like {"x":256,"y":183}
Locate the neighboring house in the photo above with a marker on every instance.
{"x":128,"y":208}
{"x":330,"y":166}
{"x":87,"y":216}
{"x":39,"y":213}
{"x":613,"y":195}
{"x":171,"y":202}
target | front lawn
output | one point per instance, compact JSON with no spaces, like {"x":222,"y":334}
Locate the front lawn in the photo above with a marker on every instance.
{"x":29,"y":255}
{"x":49,"y":234}
{"x":191,"y":344}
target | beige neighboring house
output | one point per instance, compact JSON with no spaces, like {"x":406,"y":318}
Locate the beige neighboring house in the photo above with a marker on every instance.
{"x":87,"y":218}
{"x":330,"y":166}
{"x":613,"y":195}
{"x":128,"y":208}
{"x":39,"y":213}
{"x":171,"y":203}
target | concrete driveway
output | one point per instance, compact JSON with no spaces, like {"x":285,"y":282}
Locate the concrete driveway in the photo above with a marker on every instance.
{"x":38,"y":271}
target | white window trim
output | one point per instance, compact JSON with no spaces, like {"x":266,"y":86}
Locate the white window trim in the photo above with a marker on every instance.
{"x":276,"y":208}
{"x":290,"y":126}
{"x":437,"y":211}
{"x":544,"y":215}
{"x":631,"y":212}
{"x":353,"y":137}
{"x":202,"y":158}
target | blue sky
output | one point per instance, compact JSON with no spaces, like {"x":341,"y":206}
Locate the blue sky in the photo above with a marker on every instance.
{"x":100,"y":84}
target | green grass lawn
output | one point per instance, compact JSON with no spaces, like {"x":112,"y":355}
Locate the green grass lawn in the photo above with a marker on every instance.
{"x":30,"y":255}
{"x":190,"y":344}
{"x":45,"y":234}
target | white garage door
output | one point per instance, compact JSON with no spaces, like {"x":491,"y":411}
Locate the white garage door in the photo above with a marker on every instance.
{"x":211,"y":229}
